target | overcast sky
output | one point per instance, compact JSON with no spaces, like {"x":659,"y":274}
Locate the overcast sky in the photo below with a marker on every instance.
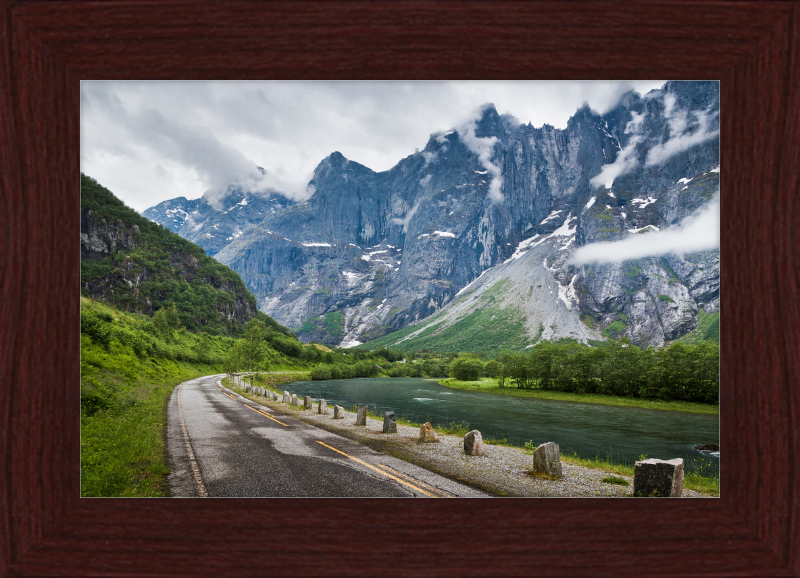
{"x":152,"y":141}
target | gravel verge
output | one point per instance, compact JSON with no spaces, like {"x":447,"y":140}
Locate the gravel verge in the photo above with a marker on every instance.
{"x":502,"y":471}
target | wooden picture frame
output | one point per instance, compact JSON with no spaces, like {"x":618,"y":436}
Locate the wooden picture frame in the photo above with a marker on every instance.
{"x":48,"y":47}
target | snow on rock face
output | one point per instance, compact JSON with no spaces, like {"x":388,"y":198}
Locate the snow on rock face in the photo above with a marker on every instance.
{"x":458,"y":242}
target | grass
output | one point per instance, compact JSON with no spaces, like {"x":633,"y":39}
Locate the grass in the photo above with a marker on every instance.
{"x":491,"y":385}
{"x":703,"y":480}
{"x":123,"y":450}
{"x":616,"y":480}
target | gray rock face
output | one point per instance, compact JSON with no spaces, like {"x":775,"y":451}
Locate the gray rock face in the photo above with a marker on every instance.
{"x":213,"y":223}
{"x":547,"y":459}
{"x":473,"y":443}
{"x":338,"y":412}
{"x":361,"y":416}
{"x":287,"y":398}
{"x":307,"y":403}
{"x":371,"y":253}
{"x":427,"y":434}
{"x":389,"y":425}
{"x":658,"y":478}
{"x":322,"y":408}
{"x":295,"y":401}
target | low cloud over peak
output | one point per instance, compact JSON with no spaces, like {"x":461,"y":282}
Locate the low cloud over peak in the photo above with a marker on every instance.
{"x":697,"y":232}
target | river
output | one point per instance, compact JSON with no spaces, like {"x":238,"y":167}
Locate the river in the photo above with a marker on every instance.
{"x":621,"y":434}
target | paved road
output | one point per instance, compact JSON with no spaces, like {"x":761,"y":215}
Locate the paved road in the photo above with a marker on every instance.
{"x":221,"y":444}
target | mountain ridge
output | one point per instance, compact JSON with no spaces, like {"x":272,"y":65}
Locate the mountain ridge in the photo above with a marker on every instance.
{"x":384,"y":250}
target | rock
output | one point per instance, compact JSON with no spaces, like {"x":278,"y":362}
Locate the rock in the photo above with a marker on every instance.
{"x":338,"y":412}
{"x":658,"y":478}
{"x":322,"y":408}
{"x":389,"y":425}
{"x":707,"y":448}
{"x":427,"y":435}
{"x":247,"y":389}
{"x":295,"y":401}
{"x":287,"y":397}
{"x":547,"y":460}
{"x":473,"y":443}
{"x":361,"y":416}
{"x":307,"y":403}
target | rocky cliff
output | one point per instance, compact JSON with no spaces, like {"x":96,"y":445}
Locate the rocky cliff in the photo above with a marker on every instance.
{"x":496,"y":201}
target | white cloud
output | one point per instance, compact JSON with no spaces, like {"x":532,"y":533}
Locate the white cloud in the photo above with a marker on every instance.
{"x":217,"y":130}
{"x":407,"y":219}
{"x":484,"y":148}
{"x":680,"y":137}
{"x":626,"y":158}
{"x":697,"y":232}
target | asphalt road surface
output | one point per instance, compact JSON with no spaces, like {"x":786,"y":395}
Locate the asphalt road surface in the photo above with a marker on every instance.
{"x":221,"y":444}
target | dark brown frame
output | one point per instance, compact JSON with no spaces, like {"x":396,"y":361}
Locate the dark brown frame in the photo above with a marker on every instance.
{"x":751,"y":47}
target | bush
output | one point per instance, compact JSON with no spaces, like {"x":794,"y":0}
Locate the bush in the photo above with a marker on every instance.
{"x":466,"y":369}
{"x":321,"y":372}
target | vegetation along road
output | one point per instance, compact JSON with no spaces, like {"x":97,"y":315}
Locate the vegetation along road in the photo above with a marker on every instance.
{"x":221,"y":444}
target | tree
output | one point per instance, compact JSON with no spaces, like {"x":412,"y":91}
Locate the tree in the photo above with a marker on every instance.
{"x":466,"y":369}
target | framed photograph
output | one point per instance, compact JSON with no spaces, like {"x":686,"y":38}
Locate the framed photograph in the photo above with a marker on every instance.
{"x":49,"y":48}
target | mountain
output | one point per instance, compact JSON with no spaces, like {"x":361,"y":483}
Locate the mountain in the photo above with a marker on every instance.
{"x":476,"y":234}
{"x":138,"y":266}
{"x":213,"y":225}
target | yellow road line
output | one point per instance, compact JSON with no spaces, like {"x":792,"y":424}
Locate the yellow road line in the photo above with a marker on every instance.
{"x":441,"y":493}
{"x":265,"y":415}
{"x":254,"y":409}
{"x":363,"y":463}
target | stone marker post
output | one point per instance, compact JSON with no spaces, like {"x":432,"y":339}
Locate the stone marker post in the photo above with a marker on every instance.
{"x":389,"y":425}
{"x":322,"y":408}
{"x":427,"y":435}
{"x":338,"y":412}
{"x":287,"y":398}
{"x":547,"y":459}
{"x":307,"y":403}
{"x":295,"y":401}
{"x":247,"y":389}
{"x":658,"y":478}
{"x":361,"y":416}
{"x":473,"y":443}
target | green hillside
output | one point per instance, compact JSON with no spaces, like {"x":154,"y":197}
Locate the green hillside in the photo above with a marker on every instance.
{"x":491,"y":328}
{"x":139,"y":266}
{"x":707,"y":329}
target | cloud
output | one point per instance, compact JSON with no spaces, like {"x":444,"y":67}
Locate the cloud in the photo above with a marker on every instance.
{"x":683,"y":134}
{"x":626,"y":158}
{"x":407,"y":219}
{"x":697,"y":232}
{"x":484,"y":148}
{"x":288,"y":127}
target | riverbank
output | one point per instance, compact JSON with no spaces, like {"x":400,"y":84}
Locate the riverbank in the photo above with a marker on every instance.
{"x":503,"y":471}
{"x":491,"y":385}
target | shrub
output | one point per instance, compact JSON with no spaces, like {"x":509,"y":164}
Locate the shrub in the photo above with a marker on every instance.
{"x":466,"y":369}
